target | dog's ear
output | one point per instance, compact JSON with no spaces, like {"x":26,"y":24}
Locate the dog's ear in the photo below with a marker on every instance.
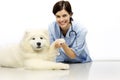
{"x":27,"y":32}
{"x":46,"y":32}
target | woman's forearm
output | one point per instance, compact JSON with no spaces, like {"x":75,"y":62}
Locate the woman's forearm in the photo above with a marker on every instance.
{"x":68,"y":51}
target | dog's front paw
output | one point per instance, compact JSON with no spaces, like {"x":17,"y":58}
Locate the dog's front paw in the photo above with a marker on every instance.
{"x":66,"y":66}
{"x":62,"y":40}
{"x":63,"y":66}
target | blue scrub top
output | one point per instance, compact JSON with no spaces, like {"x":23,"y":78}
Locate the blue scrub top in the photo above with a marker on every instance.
{"x":75,"y":40}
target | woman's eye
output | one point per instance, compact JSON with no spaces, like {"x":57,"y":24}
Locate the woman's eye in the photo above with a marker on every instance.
{"x":64,"y":15}
{"x":57,"y":16}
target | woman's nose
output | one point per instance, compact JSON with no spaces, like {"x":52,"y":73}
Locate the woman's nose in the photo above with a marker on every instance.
{"x":61,"y":19}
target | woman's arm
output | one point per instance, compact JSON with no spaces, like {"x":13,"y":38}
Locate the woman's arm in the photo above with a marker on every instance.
{"x":68,"y":51}
{"x":60,"y":43}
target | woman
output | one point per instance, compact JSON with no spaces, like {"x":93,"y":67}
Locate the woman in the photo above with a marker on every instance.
{"x":74,"y":49}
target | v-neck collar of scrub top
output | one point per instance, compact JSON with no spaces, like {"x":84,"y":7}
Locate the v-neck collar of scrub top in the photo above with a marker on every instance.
{"x":60,"y":34}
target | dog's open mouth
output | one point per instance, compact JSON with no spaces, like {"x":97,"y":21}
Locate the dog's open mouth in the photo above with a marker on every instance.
{"x":38,"y":46}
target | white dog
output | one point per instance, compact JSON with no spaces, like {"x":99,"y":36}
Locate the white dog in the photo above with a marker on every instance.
{"x":34,"y":52}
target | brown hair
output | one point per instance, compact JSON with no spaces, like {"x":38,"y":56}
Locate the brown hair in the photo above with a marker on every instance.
{"x":60,"y":5}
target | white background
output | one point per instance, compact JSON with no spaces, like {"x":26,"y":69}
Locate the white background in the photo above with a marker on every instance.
{"x":100,"y":17}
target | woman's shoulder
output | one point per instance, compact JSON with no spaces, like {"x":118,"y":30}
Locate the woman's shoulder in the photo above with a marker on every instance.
{"x":53,"y":26}
{"x":78,"y":26}
{"x":53,"y":23}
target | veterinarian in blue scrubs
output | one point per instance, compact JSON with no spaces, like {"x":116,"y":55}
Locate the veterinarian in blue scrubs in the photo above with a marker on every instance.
{"x":74,"y":49}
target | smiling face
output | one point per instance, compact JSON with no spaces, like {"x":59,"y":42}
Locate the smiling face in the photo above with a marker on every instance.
{"x":63,"y":19}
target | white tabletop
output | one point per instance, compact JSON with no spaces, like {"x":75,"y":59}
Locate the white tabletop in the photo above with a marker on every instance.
{"x":97,"y":70}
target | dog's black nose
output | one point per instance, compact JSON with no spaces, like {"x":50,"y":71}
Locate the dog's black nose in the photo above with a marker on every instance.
{"x":38,"y":43}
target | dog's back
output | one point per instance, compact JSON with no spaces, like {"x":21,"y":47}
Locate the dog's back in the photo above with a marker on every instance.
{"x":10,"y":56}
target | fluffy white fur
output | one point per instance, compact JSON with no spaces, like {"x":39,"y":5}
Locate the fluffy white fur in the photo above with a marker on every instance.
{"x":33,"y":52}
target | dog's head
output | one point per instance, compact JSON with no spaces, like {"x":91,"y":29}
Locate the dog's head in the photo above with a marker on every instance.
{"x":35,"y":40}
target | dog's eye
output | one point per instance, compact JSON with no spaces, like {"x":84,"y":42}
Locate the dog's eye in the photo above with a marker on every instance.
{"x":41,"y":37}
{"x":33,"y":38}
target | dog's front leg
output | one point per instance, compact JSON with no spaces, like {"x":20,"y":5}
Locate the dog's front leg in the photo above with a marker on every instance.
{"x":53,"y":52}
{"x":37,"y":64}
